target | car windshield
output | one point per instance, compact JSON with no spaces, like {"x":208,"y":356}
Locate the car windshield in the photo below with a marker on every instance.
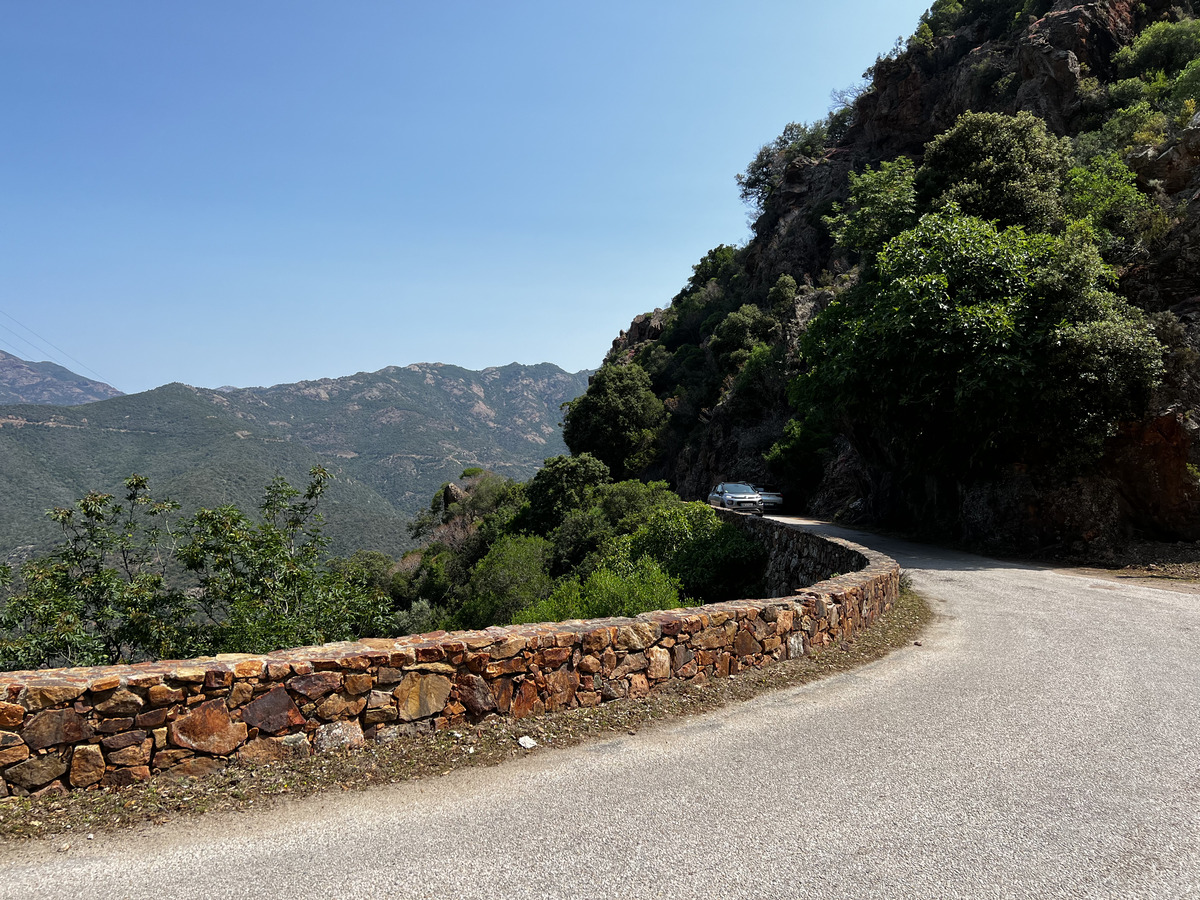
{"x":739,"y":489}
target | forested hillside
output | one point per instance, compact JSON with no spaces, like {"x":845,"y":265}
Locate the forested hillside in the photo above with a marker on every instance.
{"x":969,"y":305}
{"x":388,"y":438}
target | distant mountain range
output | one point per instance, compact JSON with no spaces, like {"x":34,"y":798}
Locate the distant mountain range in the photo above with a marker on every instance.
{"x":390,"y":438}
{"x":22,"y":381}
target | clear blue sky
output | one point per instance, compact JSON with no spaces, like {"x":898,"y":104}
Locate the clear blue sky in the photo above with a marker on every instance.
{"x":254,"y":193}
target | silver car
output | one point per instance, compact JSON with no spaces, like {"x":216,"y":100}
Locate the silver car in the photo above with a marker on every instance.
{"x":772,"y":500}
{"x":736,"y":495}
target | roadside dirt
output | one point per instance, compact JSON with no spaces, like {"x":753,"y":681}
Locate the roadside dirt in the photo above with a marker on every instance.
{"x":1172,"y":566}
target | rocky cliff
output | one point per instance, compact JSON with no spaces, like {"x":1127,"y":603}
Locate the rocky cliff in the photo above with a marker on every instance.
{"x":1061,"y":64}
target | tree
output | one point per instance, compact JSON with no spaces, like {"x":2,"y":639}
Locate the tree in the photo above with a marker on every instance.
{"x":513,"y":576}
{"x":741,"y":332}
{"x":263,"y":583}
{"x":978,"y":347}
{"x":1165,"y":47}
{"x":616,"y":420}
{"x":560,"y":486}
{"x":713,"y":560}
{"x":1006,"y":169}
{"x":101,"y":597}
{"x":883,"y":203}
{"x":618,"y":588}
{"x":1104,"y":195}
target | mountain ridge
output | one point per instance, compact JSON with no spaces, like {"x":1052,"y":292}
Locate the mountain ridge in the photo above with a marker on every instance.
{"x":390,"y":438}
{"x":24,"y":381}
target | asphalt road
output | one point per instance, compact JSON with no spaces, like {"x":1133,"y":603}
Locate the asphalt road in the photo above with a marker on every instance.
{"x":1043,"y":741}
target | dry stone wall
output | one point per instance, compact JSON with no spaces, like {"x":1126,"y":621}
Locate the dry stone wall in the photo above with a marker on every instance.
{"x":66,"y":729}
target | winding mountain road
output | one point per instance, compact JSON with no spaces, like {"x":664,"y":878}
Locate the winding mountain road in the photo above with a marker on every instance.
{"x":1043,"y":741}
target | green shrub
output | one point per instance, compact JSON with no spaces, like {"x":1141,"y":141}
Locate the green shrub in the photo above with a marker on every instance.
{"x":1104,"y":194}
{"x":741,"y":332}
{"x":713,"y":560}
{"x":625,"y":589}
{"x":1187,"y":85}
{"x":1006,"y":169}
{"x":512,"y":576}
{"x":1162,"y":46}
{"x":617,"y":420}
{"x":976,"y":348}
{"x":561,"y":486}
{"x":883,"y":203}
{"x":1127,"y":92}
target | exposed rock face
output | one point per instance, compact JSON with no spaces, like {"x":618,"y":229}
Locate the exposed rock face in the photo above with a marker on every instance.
{"x":645,"y":327}
{"x":1171,"y":275}
{"x":1148,"y":464}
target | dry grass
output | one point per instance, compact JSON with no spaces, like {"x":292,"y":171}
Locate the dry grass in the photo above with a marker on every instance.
{"x":491,"y":742}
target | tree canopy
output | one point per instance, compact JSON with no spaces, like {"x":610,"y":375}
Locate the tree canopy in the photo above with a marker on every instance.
{"x":616,"y":421}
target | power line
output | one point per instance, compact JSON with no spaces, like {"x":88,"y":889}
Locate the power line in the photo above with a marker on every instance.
{"x":47,"y":343}
{"x":32,"y":348}
{"x":16,"y":350}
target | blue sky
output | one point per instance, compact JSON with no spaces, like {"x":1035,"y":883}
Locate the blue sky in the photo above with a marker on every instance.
{"x":255,"y":193}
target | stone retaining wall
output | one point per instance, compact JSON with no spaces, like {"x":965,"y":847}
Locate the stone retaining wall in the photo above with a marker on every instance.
{"x":115,"y":725}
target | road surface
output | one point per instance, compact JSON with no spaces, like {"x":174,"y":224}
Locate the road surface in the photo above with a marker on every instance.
{"x":1043,"y":741}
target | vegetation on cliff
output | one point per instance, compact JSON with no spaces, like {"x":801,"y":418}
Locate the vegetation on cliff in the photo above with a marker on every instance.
{"x":965,"y":288}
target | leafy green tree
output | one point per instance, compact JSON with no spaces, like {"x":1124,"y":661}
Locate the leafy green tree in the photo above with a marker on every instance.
{"x":713,"y":560}
{"x":562,"y":485}
{"x":619,"y":588}
{"x":263,"y":583}
{"x":781,"y":299}
{"x":617,"y":420}
{"x":718,"y":264}
{"x":1006,"y":169}
{"x":883,"y":203}
{"x":577,"y":541}
{"x":740,"y":333}
{"x":373,"y":569}
{"x":513,"y":576}
{"x":102,"y":597}
{"x":626,"y":503}
{"x":1187,"y":85}
{"x":943,"y":16}
{"x":1165,"y":47}
{"x":978,"y":347}
{"x":1104,"y":194}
